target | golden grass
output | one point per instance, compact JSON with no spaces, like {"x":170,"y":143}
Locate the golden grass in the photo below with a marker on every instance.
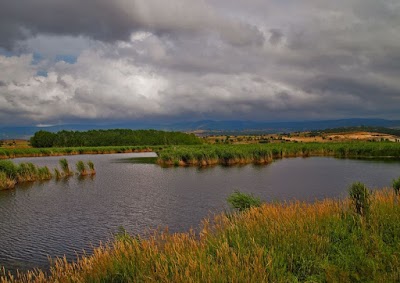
{"x":282,"y":242}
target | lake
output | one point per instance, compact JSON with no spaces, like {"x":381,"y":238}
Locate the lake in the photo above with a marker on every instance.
{"x":65,"y":217}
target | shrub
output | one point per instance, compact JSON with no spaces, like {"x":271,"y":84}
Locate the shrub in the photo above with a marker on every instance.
{"x":360,"y":198}
{"x":396,"y":186}
{"x":243,"y":201}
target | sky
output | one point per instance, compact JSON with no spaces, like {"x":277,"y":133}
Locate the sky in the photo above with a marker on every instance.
{"x":64,"y":61}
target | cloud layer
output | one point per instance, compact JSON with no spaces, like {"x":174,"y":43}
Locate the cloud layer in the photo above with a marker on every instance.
{"x":237,"y":59}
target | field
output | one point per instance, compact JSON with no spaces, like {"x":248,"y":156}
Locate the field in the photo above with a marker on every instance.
{"x":302,"y":137}
{"x":280,"y":242}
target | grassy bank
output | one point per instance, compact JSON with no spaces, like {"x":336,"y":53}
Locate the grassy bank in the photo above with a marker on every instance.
{"x":54,"y":151}
{"x":265,"y":153}
{"x":289,"y":242}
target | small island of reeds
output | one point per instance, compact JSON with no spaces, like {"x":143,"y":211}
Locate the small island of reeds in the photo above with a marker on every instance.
{"x":12,"y":174}
{"x":204,"y":155}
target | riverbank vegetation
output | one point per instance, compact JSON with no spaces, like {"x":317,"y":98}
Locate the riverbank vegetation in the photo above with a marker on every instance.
{"x":85,"y":169}
{"x":264,"y":153}
{"x":327,"y":241}
{"x":117,"y":137}
{"x":54,"y":151}
{"x":12,"y":174}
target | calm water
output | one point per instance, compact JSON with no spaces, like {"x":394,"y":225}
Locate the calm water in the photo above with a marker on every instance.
{"x":56,"y":218}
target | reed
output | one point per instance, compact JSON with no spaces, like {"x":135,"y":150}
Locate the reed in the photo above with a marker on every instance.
{"x":44,"y":173}
{"x":65,"y":167}
{"x":11,"y":173}
{"x":81,"y":168}
{"x":91,"y":167}
{"x":6,"y":153}
{"x":57,"y":174}
{"x":279,"y":242}
{"x":5,"y":182}
{"x":265,"y":153}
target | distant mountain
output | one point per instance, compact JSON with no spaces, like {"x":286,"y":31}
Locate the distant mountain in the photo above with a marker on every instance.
{"x":208,"y":126}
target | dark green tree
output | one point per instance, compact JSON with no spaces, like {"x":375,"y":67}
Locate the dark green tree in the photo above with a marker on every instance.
{"x":43,"y":139}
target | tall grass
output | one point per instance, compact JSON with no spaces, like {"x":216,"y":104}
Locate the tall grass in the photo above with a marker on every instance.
{"x":265,"y":153}
{"x":65,"y":167}
{"x":36,"y":152}
{"x":81,"y":168}
{"x":91,"y":167}
{"x":12,"y":174}
{"x":286,"y":242}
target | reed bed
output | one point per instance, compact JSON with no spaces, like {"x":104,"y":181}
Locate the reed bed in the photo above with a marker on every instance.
{"x":85,"y":169}
{"x":12,"y":174}
{"x":265,"y":153}
{"x":282,"y":242}
{"x":6,"y":153}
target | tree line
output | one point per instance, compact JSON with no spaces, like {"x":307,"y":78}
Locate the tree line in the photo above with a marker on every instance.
{"x":115,"y":137}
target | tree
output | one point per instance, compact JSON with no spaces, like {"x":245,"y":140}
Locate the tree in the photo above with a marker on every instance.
{"x":43,"y":139}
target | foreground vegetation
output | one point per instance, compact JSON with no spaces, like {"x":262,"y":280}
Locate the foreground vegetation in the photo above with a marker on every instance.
{"x":117,"y":137}
{"x":264,"y":153}
{"x":328,"y":241}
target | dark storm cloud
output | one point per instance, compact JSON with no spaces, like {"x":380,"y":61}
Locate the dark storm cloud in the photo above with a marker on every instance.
{"x":222,"y":59}
{"x":115,"y":20}
{"x":276,"y":36}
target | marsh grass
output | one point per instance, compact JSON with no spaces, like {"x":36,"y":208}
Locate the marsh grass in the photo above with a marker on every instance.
{"x":280,"y":242}
{"x":12,"y":174}
{"x":6,"y":153}
{"x":5,"y":182}
{"x":91,"y":167}
{"x":57,"y":174}
{"x":65,"y":167}
{"x":205,"y":155}
{"x":81,"y":168}
{"x":396,"y":186}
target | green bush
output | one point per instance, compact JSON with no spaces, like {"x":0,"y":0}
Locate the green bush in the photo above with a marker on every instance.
{"x":396,"y":186}
{"x":243,"y":201}
{"x":360,"y":198}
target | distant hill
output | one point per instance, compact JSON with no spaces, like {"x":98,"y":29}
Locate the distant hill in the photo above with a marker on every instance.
{"x":207,"y":126}
{"x":371,"y":129}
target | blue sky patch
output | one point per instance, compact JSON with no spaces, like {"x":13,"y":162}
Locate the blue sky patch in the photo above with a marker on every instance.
{"x":71,"y":59}
{"x":41,"y":73}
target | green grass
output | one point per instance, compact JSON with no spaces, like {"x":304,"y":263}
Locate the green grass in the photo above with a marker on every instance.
{"x":265,"y":153}
{"x":36,"y":152}
{"x":12,"y":174}
{"x":282,"y":242}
